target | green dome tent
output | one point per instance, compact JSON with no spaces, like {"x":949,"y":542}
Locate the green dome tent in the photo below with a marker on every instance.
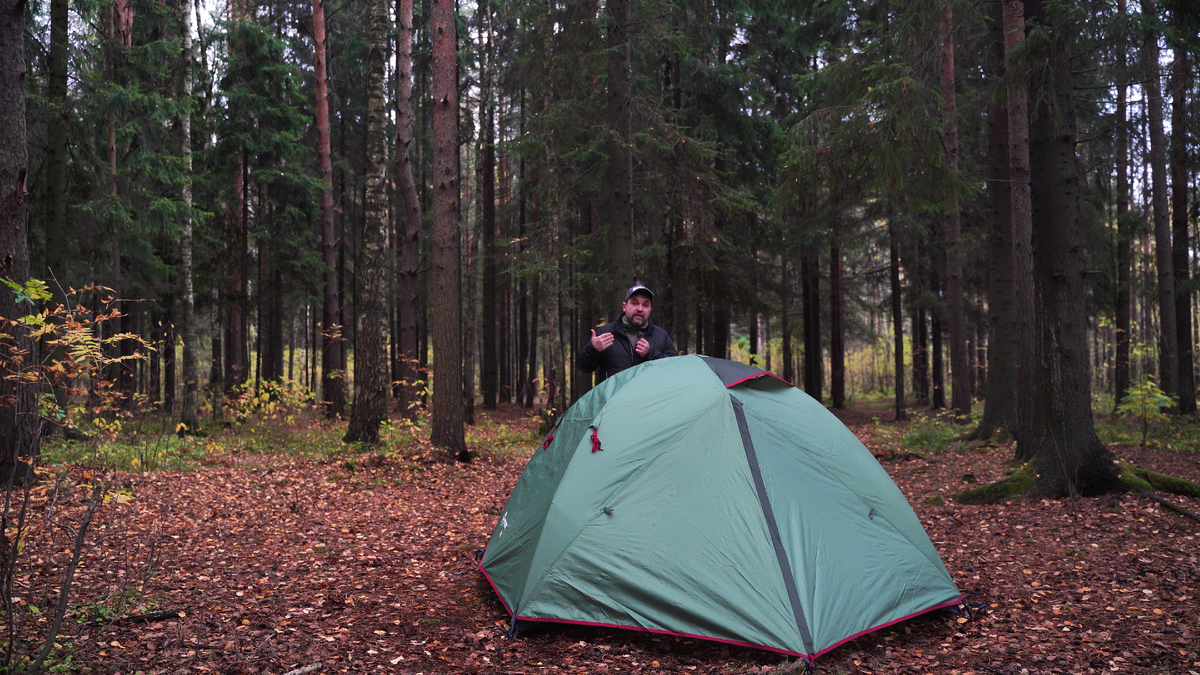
{"x":706,"y":498}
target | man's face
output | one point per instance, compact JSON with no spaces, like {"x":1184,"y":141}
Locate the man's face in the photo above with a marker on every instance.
{"x":637,"y":309}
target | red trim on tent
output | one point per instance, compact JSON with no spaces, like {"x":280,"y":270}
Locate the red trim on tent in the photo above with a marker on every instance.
{"x":756,"y":376}
{"x":492,"y":583}
{"x":656,"y":631}
{"x":884,"y":625}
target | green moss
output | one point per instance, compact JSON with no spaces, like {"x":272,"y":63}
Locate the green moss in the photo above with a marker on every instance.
{"x":935,"y":500}
{"x":1137,"y":479}
{"x":1021,"y":483}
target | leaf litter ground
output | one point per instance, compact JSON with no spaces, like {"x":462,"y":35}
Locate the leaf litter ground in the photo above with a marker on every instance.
{"x":275,"y":563}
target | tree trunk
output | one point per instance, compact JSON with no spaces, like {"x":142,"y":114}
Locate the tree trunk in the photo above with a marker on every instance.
{"x":620,"y":159}
{"x":837,"y":355}
{"x":370,"y":356}
{"x":406,"y":294}
{"x":785,"y":300}
{"x":1125,"y":235}
{"x":489,"y":370}
{"x":20,"y":427}
{"x":1181,"y":80}
{"x":1000,"y":399}
{"x":235,"y":336}
{"x":920,"y":357}
{"x":810,"y":292}
{"x":1022,"y":232}
{"x":333,"y":381}
{"x":216,"y":376}
{"x":897,"y":316}
{"x":57,"y":153}
{"x":937,"y":370}
{"x":447,"y":431}
{"x":529,"y":385}
{"x":960,"y":387}
{"x":189,"y":413}
{"x":1071,"y":460}
{"x":1168,"y":335}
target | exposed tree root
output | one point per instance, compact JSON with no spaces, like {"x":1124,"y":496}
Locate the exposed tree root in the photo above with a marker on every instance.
{"x":1134,"y":479}
{"x":1144,"y":482}
{"x":1021,"y":483}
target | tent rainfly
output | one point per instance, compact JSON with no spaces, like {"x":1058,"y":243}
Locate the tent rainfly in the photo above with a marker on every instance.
{"x":706,"y":498}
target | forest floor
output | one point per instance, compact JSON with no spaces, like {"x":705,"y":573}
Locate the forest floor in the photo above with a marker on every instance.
{"x":272,"y":561}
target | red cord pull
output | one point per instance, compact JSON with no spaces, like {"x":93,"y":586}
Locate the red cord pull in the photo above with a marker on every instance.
{"x":595,"y":440}
{"x":549,"y":437}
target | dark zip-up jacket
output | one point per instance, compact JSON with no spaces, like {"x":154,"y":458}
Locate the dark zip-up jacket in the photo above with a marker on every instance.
{"x":620,"y":354}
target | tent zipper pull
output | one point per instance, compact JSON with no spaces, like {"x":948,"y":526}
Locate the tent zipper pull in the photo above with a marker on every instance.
{"x":595,"y":439}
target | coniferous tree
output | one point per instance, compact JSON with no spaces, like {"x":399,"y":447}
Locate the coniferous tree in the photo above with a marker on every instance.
{"x":961,"y":386}
{"x":1071,"y":460}
{"x":190,"y":410}
{"x":447,"y":427}
{"x":1000,"y":408}
{"x":1168,"y":333}
{"x":406,"y":291}
{"x":1124,"y":254}
{"x":333,"y":391}
{"x":20,"y":430}
{"x":370,"y":357}
{"x":1180,"y":241}
{"x":1021,"y":213}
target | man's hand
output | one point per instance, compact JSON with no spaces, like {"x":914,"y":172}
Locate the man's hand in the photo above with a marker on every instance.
{"x":642,"y":346}
{"x":602,"y":342}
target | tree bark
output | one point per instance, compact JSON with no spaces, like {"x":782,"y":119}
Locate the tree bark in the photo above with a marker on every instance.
{"x":189,"y":412}
{"x":57,"y":154}
{"x":1071,"y":460}
{"x":837,"y":352}
{"x":810,"y":292}
{"x":897,"y":317}
{"x":960,"y":372}
{"x":447,"y":427}
{"x":489,"y":366}
{"x":1022,"y":232}
{"x":1000,"y":400}
{"x":937,"y":370}
{"x":1168,"y":336}
{"x":1181,"y":79}
{"x":1125,"y":235}
{"x":20,"y":429}
{"x":407,"y":293}
{"x":785,"y":299}
{"x":530,"y":385}
{"x":371,"y":368}
{"x":333,"y":381}
{"x":620,"y":159}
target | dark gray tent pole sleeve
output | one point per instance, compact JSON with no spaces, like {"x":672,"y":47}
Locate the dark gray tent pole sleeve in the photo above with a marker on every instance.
{"x":784,"y":566}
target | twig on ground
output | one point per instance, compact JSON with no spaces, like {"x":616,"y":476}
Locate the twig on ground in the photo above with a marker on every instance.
{"x":1170,"y":505}
{"x":153,"y":616}
{"x":311,"y":668}
{"x":65,"y":594}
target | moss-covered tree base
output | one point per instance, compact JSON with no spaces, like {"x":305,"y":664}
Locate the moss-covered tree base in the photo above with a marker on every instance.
{"x":1133,"y":479}
{"x":1020,"y":484}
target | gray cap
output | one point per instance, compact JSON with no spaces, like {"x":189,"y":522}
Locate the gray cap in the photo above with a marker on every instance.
{"x":638,"y":288}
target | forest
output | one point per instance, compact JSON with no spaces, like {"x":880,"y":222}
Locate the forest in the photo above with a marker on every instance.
{"x":393,"y":225}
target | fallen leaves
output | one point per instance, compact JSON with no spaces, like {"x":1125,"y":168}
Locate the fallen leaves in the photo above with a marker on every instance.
{"x":276,"y":563}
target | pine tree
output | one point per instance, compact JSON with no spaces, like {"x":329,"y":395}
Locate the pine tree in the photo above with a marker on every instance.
{"x":447,"y":431}
{"x":370,"y":357}
{"x":20,"y":429}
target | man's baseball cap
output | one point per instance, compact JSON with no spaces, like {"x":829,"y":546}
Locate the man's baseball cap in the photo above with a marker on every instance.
{"x":638,"y":288}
